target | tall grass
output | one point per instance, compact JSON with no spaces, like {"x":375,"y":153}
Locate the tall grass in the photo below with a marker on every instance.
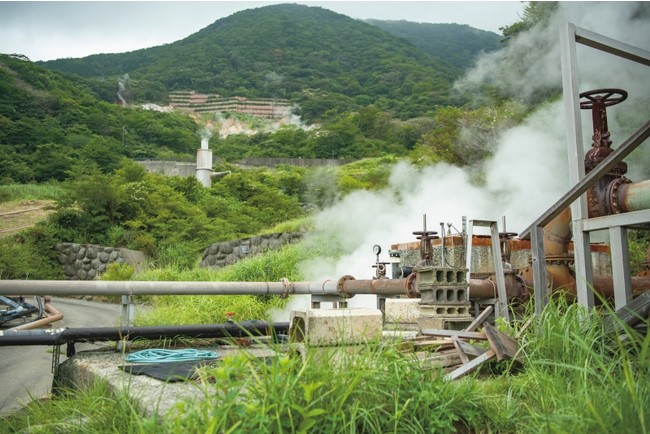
{"x":92,"y":410}
{"x":577,"y":377}
{"x":9,"y":192}
{"x":269,"y":267}
{"x":380,"y":390}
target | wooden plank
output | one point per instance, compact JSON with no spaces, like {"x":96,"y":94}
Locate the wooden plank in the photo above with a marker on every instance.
{"x":458,"y":333}
{"x":471,"y":350}
{"x":443,"y":360}
{"x":480,"y":319}
{"x":422,"y":341}
{"x":459,"y":348}
{"x":632,"y":314}
{"x":503,"y":345}
{"x":469,"y":367}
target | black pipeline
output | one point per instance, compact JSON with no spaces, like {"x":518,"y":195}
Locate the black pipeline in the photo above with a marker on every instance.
{"x":67,"y":335}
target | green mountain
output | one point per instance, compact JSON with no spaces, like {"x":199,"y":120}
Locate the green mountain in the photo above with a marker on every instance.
{"x":310,"y":55}
{"x":457,"y":44}
{"x":49,"y":125}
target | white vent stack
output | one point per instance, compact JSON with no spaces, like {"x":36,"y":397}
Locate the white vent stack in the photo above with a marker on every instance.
{"x":204,"y":163}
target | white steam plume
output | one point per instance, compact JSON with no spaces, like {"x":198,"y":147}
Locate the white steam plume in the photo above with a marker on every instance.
{"x":205,"y":133}
{"x":528,"y":171}
{"x":121,"y":88}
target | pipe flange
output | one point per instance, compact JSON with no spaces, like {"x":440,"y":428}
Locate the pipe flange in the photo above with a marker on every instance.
{"x":287,"y":288}
{"x":340,"y":285}
{"x":410,"y":286}
{"x":611,"y":197}
{"x":567,"y":260}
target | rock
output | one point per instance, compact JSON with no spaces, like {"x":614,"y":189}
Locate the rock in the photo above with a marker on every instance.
{"x":69,"y":270}
{"x":91,"y":252}
{"x":225,"y":248}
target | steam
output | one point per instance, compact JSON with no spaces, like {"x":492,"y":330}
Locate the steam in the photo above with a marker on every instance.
{"x":227,"y":126}
{"x":206,"y":133}
{"x":121,"y":88}
{"x":528,"y":171}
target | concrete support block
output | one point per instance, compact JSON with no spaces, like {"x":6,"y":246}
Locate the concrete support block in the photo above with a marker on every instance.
{"x":445,"y":310}
{"x":402,"y":310}
{"x":443,"y":323}
{"x":335,"y":326}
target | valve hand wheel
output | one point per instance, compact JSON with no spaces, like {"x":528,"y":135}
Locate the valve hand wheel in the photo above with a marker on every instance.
{"x":607,"y":97}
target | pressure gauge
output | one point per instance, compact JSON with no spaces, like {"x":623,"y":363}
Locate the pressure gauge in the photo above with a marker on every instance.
{"x":376,"y":249}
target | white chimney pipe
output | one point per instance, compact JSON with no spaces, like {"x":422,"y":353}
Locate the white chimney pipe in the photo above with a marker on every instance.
{"x":204,"y":164}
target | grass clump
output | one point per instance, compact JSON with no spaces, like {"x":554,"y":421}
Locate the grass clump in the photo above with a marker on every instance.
{"x":92,"y":410}
{"x":578,"y":377}
{"x":331,"y":391}
{"x":23,"y":192}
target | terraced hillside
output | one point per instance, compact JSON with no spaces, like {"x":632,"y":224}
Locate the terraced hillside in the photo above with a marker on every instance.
{"x":213,"y":103}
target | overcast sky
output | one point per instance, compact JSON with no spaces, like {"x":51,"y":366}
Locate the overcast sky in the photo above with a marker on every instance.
{"x":53,"y":30}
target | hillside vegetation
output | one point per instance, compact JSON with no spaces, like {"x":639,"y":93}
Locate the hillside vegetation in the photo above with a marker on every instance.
{"x":310,"y":55}
{"x":457,"y":44}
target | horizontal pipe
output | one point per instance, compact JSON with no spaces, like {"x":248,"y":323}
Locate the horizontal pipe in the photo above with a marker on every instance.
{"x":62,"y":336}
{"x":377,"y":286}
{"x":104,"y":287}
{"x":634,"y":197}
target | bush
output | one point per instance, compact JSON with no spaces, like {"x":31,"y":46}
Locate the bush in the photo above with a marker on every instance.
{"x":117,"y":271}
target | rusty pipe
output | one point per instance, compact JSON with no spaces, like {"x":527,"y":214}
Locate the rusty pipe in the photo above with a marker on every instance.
{"x":557,"y":234}
{"x":53,"y":315}
{"x":378,"y":286}
{"x":487,"y":288}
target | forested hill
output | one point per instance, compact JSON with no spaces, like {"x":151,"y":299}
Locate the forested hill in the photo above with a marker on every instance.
{"x":310,"y":55}
{"x":458,"y":44}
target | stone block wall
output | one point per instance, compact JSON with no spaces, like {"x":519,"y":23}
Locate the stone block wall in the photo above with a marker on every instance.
{"x":88,"y":261}
{"x":228,"y":252}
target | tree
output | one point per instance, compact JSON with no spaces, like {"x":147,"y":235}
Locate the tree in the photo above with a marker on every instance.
{"x":535,"y":12}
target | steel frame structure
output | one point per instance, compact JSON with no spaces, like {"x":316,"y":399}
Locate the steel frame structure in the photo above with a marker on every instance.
{"x":617,"y":224}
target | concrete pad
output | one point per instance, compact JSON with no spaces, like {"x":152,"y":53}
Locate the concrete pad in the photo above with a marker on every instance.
{"x":335,"y":326}
{"x":149,"y":394}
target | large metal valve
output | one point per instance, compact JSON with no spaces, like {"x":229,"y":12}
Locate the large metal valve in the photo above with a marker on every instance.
{"x":597,"y":101}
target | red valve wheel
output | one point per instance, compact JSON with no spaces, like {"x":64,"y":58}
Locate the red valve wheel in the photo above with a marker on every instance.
{"x":608,"y":97}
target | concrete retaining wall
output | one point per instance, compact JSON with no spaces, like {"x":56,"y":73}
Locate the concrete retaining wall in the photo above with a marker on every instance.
{"x":88,"y":261}
{"x":228,"y":252}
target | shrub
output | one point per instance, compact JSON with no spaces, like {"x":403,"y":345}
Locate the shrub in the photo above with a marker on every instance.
{"x":117,"y":271}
